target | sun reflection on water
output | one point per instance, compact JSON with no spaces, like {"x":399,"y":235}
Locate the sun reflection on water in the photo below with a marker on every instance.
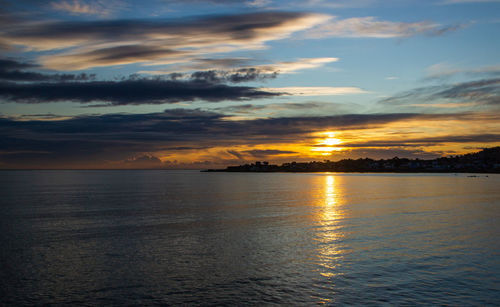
{"x":329,"y":232}
{"x":330,"y":191}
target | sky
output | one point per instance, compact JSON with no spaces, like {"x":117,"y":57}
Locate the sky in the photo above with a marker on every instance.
{"x":196,"y":84}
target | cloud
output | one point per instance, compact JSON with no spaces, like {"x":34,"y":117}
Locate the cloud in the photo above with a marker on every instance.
{"x":75,"y":7}
{"x":480,"y":92}
{"x":263,"y":153}
{"x":467,"y":1}
{"x":426,"y":141}
{"x":213,"y":63}
{"x":315,"y":91}
{"x":293,"y":66}
{"x":11,"y":64}
{"x":129,"y":91}
{"x":95,"y":140}
{"x":242,"y":108}
{"x":287,"y":109}
{"x":84,"y":44}
{"x":17,"y":75}
{"x":336,"y":4}
{"x":258,"y":3}
{"x":12,"y":70}
{"x":483,"y":91}
{"x":120,"y":55}
{"x":201,"y":85}
{"x":236,"y":154}
{"x":175,"y":87}
{"x":442,"y":71}
{"x":88,"y":7}
{"x":234,"y":76}
{"x":236,"y":66}
{"x":227,"y":70}
{"x":223,"y":2}
{"x":142,"y":161}
{"x":205,"y":124}
{"x":250,"y":108}
{"x":386,"y":153}
{"x":373,"y":28}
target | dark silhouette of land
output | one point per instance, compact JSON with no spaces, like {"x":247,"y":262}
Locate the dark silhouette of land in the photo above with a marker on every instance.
{"x":484,"y":161}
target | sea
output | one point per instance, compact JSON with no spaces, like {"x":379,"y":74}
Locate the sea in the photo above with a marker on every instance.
{"x":156,"y":237}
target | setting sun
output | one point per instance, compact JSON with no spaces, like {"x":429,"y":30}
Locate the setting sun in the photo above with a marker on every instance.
{"x":332,"y":141}
{"x":327,"y":143}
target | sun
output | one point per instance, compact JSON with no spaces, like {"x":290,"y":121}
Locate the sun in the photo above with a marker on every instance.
{"x":327,"y":143}
{"x":332,"y":141}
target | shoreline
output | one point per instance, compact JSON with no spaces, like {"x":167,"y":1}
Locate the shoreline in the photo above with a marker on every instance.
{"x":357,"y":172}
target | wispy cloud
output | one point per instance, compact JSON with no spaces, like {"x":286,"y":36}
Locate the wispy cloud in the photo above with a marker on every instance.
{"x":315,"y":91}
{"x":85,"y":44}
{"x":258,"y":3}
{"x":233,"y":70}
{"x":423,"y":141}
{"x":466,"y":1}
{"x":293,"y":66}
{"x":336,"y":4}
{"x":247,"y":108}
{"x":485,"y":92}
{"x":445,"y":70}
{"x":287,"y":109}
{"x":281,"y":67}
{"x":87,"y":7}
{"x":373,"y":28}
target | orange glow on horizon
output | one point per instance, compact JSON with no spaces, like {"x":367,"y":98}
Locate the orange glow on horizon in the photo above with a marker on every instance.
{"x":359,"y":142}
{"x":327,"y":144}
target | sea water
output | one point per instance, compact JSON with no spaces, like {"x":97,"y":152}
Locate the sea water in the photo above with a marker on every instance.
{"x":185,"y":237}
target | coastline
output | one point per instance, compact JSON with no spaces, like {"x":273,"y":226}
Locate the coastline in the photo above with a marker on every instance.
{"x":357,"y":172}
{"x":484,"y":161}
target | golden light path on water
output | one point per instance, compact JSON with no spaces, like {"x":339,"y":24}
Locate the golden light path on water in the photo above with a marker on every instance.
{"x":330,"y":234}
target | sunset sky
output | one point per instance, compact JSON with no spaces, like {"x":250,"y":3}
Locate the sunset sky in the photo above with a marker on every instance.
{"x":202,"y":84}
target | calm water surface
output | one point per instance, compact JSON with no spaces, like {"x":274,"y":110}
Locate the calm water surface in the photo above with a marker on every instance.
{"x":183,"y":237}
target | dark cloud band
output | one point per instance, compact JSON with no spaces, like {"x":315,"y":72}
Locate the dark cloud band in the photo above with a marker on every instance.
{"x":121,"y":136}
{"x":132,"y":91}
{"x":12,"y":70}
